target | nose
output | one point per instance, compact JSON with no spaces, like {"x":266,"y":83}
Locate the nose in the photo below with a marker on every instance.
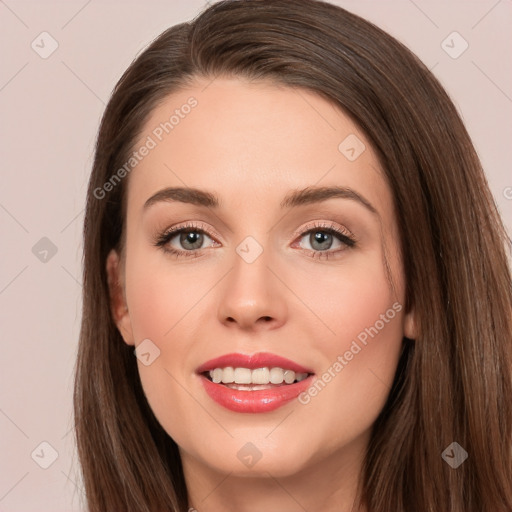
{"x":252,"y":298}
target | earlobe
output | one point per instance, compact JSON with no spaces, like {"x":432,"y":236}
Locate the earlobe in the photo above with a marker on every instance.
{"x":118,"y":307}
{"x":410,"y":325}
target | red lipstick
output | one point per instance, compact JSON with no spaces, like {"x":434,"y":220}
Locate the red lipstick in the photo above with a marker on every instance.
{"x":259,"y":360}
{"x":249,"y":400}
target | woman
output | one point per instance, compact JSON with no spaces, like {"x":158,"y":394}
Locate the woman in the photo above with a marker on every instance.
{"x":296,"y":288}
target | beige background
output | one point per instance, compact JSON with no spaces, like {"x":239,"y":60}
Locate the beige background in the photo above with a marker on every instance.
{"x":50,"y":109}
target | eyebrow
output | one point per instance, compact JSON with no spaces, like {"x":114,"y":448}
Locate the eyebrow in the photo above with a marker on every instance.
{"x":293,"y":199}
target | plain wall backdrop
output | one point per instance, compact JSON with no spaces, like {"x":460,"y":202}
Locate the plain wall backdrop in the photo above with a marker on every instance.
{"x":60,"y":62}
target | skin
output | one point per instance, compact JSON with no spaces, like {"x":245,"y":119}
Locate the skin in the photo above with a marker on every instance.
{"x":250,"y":144}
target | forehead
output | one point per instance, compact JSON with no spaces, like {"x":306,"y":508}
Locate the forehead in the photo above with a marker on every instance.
{"x":250,"y":142}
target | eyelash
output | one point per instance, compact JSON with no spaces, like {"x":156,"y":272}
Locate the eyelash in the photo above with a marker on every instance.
{"x":164,"y":238}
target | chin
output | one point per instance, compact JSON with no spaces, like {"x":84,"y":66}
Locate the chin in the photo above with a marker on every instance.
{"x":247,"y":460}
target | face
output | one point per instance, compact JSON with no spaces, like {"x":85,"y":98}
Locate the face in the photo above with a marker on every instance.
{"x":262,"y":276}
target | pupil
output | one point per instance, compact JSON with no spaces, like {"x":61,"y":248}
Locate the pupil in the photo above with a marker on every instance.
{"x":191,"y":238}
{"x":321,"y":238}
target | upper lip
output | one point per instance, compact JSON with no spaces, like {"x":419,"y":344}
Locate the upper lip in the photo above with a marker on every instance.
{"x":253,"y":361}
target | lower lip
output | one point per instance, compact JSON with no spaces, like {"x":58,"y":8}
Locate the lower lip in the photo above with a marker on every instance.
{"x":262,"y":400}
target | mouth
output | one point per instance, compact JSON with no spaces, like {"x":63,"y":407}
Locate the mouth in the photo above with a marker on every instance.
{"x":258,"y":383}
{"x":245,"y":379}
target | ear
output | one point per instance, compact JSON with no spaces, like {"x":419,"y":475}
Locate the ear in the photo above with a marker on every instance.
{"x":118,"y":306}
{"x":410,"y":325}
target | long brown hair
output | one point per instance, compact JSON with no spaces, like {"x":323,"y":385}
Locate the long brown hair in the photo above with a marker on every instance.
{"x":453,"y":383}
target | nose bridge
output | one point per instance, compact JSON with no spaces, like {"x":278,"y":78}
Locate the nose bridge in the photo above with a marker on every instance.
{"x":250,"y":275}
{"x":250,"y":294}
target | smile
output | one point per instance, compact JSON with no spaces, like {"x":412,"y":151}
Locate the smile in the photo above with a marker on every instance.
{"x":253,"y":384}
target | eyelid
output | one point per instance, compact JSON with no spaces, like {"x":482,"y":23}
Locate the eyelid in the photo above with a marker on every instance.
{"x":299,"y":232}
{"x":162,"y":239}
{"x":329,"y":225}
{"x":189,"y":225}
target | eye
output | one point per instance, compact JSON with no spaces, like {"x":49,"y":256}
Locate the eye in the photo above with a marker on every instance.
{"x":324,"y":240}
{"x":183,"y":240}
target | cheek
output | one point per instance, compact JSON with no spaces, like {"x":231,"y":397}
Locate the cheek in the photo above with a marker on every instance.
{"x":162,"y":306}
{"x":157,"y":298}
{"x":348,"y":300}
{"x":359,"y":350}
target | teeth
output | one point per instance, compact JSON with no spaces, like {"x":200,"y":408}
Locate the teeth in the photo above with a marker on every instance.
{"x":228,"y":375}
{"x":259,"y":376}
{"x":276,"y":375}
{"x":217,"y":375}
{"x":243,"y":376}
{"x":289,"y":377}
